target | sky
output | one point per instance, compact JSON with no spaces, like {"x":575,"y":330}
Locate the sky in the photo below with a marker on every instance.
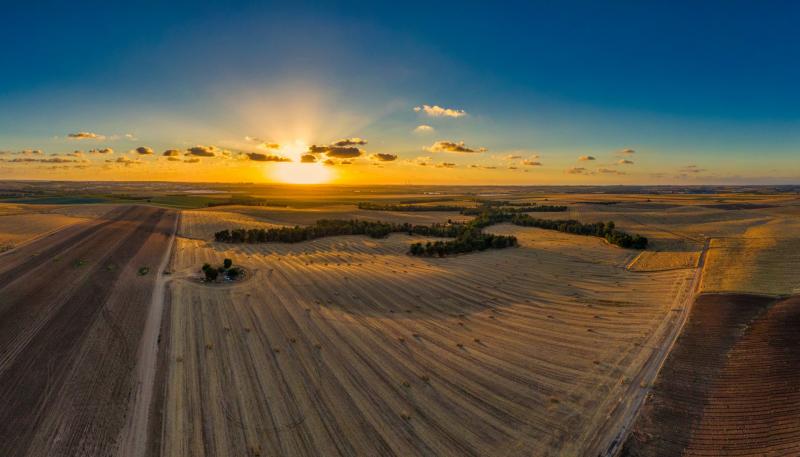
{"x":615,"y":92}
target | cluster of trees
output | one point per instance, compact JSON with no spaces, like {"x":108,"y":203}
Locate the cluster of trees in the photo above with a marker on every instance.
{"x":468,"y":241}
{"x":408,"y":207}
{"x":227,"y":270}
{"x":599,"y":229}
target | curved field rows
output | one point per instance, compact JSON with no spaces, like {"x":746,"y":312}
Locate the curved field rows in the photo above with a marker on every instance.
{"x":348,"y":346}
{"x":731,"y":386}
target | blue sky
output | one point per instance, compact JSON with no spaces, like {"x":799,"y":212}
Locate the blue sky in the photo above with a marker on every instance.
{"x":709,"y":84}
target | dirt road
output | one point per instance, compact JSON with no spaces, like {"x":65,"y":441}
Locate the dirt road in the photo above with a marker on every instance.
{"x":133,"y":437}
{"x":609,"y":439}
{"x":72,"y":314}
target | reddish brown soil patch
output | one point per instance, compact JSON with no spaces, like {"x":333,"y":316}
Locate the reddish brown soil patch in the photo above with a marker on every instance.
{"x":731,"y":385}
{"x":71,"y":316}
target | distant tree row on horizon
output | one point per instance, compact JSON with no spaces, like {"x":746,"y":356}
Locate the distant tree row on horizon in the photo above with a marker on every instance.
{"x":466,"y":210}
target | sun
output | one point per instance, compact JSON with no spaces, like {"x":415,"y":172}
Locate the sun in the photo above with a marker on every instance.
{"x":296,"y":171}
{"x":301,"y":173}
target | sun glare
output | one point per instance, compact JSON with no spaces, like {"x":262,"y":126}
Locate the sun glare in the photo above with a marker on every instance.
{"x":301,"y":173}
{"x":297,"y":172}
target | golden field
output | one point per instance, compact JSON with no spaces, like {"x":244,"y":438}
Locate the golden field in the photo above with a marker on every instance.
{"x":348,"y":346}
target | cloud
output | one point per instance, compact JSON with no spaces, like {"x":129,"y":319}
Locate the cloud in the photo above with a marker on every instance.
{"x":204,"y":151}
{"x":532,"y":163}
{"x":627,"y":151}
{"x":143,"y":150}
{"x":262,"y":143}
{"x":174,"y":159}
{"x":129,"y":136}
{"x":450,"y":146}
{"x":513,"y":157}
{"x":124,"y":161}
{"x":26,"y":152}
{"x":512,"y":168}
{"x":445,"y":165}
{"x":625,"y":162}
{"x":423,"y":161}
{"x":85,"y":136}
{"x":610,"y":171}
{"x":345,"y":162}
{"x":75,"y":154}
{"x":192,"y":160}
{"x":329,"y":162}
{"x":424,"y":128}
{"x":692,"y":169}
{"x":171,"y":153}
{"x":576,"y":171}
{"x":381,"y":157}
{"x":438,"y":111}
{"x":258,"y":157}
{"x":101,"y":151}
{"x":350,"y":142}
{"x":338,"y":152}
{"x":586,"y":158}
{"x":308,"y":158}
{"x":48,"y":160}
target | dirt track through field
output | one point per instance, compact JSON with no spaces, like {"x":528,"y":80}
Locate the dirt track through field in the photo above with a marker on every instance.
{"x":71,"y":317}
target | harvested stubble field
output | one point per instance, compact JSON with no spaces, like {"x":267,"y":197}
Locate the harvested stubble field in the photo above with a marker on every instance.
{"x":731,"y":385}
{"x":762,"y":261}
{"x":201,"y":224}
{"x":21,"y":223}
{"x":70,"y":321}
{"x":348,"y":346}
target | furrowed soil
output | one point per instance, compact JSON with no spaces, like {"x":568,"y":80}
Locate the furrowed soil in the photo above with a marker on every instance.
{"x":71,"y":317}
{"x":731,"y":386}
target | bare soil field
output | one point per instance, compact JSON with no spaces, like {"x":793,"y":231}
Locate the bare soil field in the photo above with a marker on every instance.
{"x":731,"y":385}
{"x":70,"y":320}
{"x":348,"y":346}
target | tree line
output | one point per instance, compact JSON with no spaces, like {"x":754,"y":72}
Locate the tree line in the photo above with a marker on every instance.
{"x":335,"y":227}
{"x":468,"y":236}
{"x":407,"y":207}
{"x":465,"y":210}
